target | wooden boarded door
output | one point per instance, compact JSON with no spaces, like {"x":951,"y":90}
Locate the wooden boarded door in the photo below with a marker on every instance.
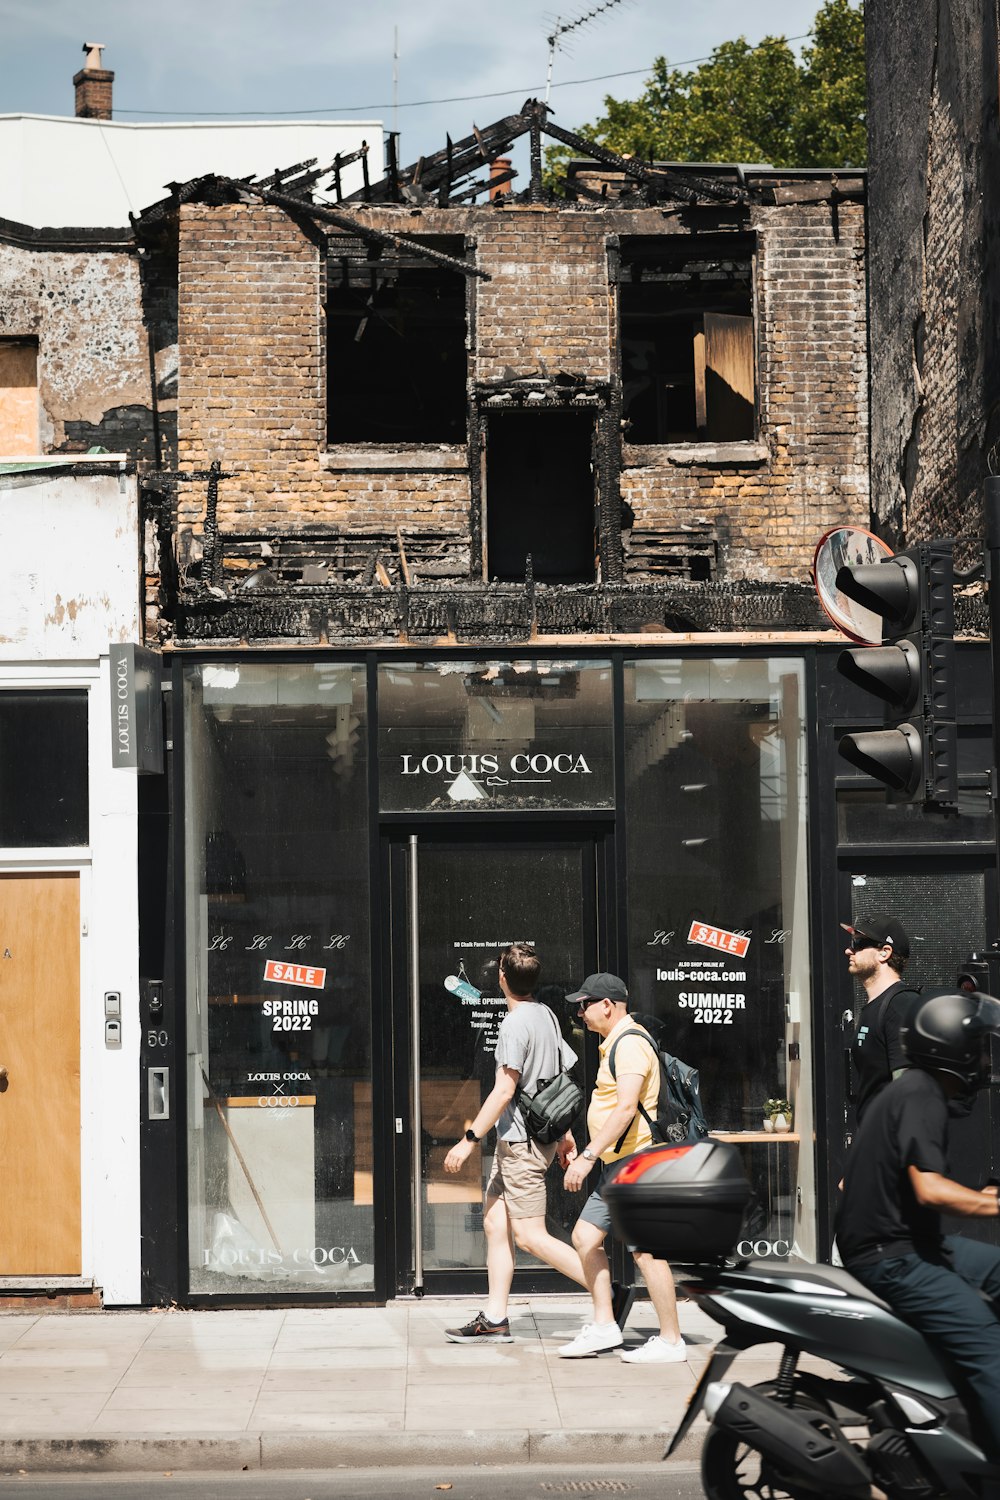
{"x":40,"y":1091}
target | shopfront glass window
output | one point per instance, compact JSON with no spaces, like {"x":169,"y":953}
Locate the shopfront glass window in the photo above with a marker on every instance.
{"x":487,"y":736}
{"x":278,"y":998}
{"x":718,"y":918}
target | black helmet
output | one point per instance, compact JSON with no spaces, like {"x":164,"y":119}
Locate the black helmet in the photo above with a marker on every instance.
{"x":950,"y":1032}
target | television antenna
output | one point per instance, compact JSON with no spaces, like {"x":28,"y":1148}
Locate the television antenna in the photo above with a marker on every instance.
{"x":562,"y":28}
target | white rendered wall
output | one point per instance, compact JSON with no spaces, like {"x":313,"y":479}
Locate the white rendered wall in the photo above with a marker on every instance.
{"x":57,"y":171}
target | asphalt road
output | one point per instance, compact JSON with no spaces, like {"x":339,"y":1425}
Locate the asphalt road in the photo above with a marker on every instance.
{"x":506,"y":1482}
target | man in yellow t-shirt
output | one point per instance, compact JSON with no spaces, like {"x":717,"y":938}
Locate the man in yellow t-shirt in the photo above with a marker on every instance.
{"x":617,"y":1128}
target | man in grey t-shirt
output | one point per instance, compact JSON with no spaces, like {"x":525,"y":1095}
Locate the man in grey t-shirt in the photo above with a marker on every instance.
{"x":529,"y":1047}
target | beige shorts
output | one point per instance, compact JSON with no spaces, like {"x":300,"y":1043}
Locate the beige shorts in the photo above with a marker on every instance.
{"x":517,"y":1175}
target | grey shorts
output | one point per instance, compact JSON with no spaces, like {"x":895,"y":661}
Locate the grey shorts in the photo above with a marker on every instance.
{"x":595,"y":1211}
{"x":517,"y":1175}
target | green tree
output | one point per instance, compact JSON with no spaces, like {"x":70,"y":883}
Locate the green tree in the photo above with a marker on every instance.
{"x":748,"y":104}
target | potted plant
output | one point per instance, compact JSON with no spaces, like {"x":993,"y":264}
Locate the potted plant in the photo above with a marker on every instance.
{"x":777,"y":1115}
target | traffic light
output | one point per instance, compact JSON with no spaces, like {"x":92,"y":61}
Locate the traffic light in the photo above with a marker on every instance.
{"x":912,"y":673}
{"x":981,"y":971}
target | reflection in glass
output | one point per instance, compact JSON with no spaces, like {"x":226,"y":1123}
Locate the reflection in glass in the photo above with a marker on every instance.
{"x":718,"y":920}
{"x":474,"y":901}
{"x":488,"y":736}
{"x":864,"y":817}
{"x":278,"y":1082}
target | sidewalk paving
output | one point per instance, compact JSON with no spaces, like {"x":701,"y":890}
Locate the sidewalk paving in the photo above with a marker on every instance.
{"x":334,"y":1387}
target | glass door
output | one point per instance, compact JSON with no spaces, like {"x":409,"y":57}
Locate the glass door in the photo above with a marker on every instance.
{"x":456,"y":903}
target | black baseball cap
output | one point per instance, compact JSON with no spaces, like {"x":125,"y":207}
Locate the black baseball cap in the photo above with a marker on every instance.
{"x":599,"y":987}
{"x":884,"y":932}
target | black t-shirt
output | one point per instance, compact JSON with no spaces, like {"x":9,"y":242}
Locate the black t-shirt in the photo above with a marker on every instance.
{"x":879,"y":1216}
{"x":877,"y":1051}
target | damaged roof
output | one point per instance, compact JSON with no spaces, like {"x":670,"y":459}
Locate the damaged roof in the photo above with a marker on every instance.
{"x":463,"y":170}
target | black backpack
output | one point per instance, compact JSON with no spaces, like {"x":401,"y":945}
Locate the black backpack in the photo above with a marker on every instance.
{"x":680,"y":1119}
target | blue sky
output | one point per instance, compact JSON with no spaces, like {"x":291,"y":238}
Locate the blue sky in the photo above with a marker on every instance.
{"x":259,"y":59}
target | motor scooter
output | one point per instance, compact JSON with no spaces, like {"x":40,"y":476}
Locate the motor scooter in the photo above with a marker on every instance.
{"x":889,"y":1416}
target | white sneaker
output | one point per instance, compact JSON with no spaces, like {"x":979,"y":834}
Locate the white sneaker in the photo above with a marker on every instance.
{"x":656,"y":1351}
{"x":593,"y":1338}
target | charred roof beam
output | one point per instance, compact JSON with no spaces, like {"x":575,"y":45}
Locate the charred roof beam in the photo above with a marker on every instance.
{"x":689,"y":189}
{"x":455,"y":161}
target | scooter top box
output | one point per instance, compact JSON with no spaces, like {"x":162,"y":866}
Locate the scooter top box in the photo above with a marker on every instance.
{"x":683,"y":1203}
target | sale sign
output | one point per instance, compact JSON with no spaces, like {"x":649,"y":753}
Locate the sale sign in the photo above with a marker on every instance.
{"x":718,"y":938}
{"x":302,"y":974}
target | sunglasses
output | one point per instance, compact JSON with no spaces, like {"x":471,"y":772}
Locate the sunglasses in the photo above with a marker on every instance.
{"x":859,"y":942}
{"x":588,"y":1001}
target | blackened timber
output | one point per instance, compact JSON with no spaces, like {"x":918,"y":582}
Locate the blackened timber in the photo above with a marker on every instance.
{"x":365,"y":231}
{"x":483,"y":185}
{"x":689,"y":189}
{"x":482,"y":613}
{"x":340,"y":162}
{"x":608,"y":468}
{"x":391,"y":144}
{"x":282,"y":176}
{"x":535,"y":192}
{"x":467,"y":155}
{"x":212,"y":548}
{"x":476,"y":439}
{"x":444,"y":192}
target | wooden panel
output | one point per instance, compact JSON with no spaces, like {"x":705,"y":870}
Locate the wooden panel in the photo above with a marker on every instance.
{"x":729,"y":382}
{"x":40,"y":1048}
{"x":700,"y":412}
{"x":18,"y":399}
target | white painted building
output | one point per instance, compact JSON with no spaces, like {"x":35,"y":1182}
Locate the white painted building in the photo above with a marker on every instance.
{"x":69,"y":1122}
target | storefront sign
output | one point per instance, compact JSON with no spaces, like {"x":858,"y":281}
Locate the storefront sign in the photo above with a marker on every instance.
{"x":136,"y":709}
{"x":705,"y":989}
{"x":525,"y":766}
{"x":230,"y":1257}
{"x":280,"y":973}
{"x":736,"y":943}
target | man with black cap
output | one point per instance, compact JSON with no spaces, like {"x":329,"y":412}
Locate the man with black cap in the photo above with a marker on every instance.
{"x":876,"y":956}
{"x":617,"y":1126}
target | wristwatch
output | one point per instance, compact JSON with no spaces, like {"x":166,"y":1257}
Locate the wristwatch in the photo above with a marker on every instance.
{"x":588,"y":1155}
{"x":470,"y":1135}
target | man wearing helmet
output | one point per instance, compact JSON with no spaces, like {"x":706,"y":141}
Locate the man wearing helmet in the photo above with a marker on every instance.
{"x":896,"y":1188}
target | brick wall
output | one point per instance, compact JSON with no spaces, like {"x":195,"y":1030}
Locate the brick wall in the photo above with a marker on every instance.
{"x":768,"y":513}
{"x":252,"y":379}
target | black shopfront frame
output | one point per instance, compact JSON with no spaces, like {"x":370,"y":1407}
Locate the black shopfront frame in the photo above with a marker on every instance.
{"x":163,"y":1144}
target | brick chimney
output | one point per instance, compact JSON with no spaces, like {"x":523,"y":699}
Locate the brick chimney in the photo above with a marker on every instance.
{"x":93,"y":85}
{"x":498,"y":167}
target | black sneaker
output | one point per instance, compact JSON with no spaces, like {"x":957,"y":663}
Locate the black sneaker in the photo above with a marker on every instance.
{"x":622,"y":1298}
{"x":480,"y":1331}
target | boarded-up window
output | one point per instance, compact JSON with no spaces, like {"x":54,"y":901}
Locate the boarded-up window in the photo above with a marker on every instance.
{"x":18,"y":398}
{"x":687,"y":340}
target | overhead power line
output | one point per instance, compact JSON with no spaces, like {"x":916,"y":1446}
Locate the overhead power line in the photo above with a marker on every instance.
{"x":525,"y":91}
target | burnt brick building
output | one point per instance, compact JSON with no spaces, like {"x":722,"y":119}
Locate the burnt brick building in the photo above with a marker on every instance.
{"x":478,"y":534}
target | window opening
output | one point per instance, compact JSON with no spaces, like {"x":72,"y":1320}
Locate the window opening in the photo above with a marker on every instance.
{"x":44,"y":798}
{"x":19,"y":427}
{"x":397,"y":362}
{"x":687,"y":341}
{"x":540,"y":496}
